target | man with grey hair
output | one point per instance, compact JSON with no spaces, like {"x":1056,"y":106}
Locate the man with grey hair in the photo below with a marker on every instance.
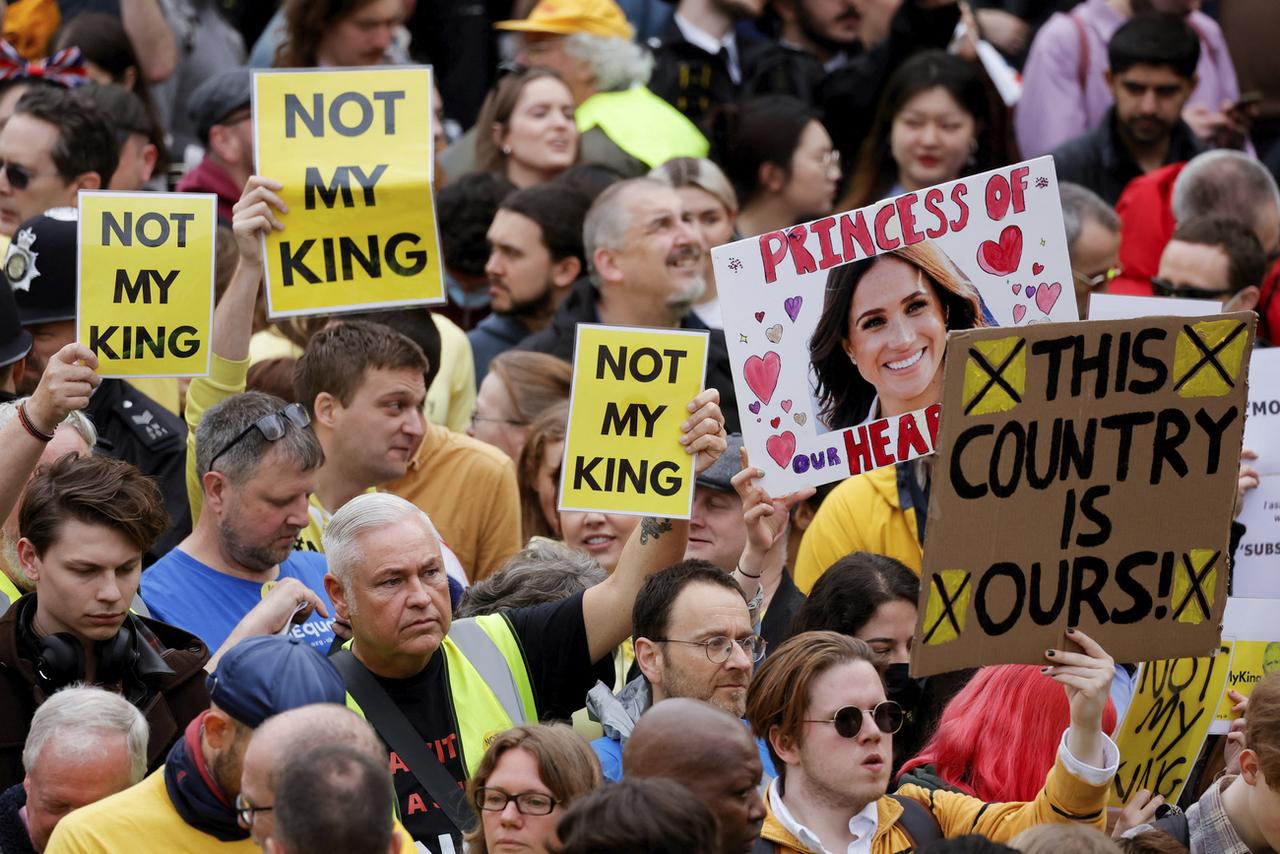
{"x":1218,"y":183}
{"x":291,"y":734}
{"x":422,"y":678}
{"x":644,"y":256}
{"x":84,"y":744}
{"x":1093,"y":241}
{"x":256,"y":459}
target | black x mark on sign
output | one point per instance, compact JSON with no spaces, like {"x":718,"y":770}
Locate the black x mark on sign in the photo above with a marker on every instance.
{"x":995,"y":374}
{"x":948,"y":601}
{"x":1209,"y":355}
{"x":1196,"y":578}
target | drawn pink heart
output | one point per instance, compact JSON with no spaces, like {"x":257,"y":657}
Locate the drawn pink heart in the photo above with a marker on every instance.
{"x":754,"y":407}
{"x":1037,"y":268}
{"x":762,"y":374}
{"x":759,"y":317}
{"x":786,"y":406}
{"x":781,"y":447}
{"x":1019,"y":312}
{"x":1017,"y":289}
{"x":1047,"y":296}
{"x":1002,"y":258}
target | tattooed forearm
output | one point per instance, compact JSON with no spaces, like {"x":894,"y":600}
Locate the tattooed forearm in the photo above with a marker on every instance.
{"x":653,"y":528}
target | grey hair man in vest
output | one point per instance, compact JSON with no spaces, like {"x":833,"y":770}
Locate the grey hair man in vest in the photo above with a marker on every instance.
{"x":422,"y":678}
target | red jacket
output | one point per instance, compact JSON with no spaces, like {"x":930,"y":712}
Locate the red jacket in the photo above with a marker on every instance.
{"x":1146,"y":224}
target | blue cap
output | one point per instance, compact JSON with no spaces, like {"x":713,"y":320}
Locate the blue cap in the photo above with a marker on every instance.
{"x":265,"y":675}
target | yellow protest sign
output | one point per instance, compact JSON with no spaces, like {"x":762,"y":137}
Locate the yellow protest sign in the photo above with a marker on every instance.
{"x":144,"y":300}
{"x":1250,"y":661}
{"x":353,"y":151}
{"x":631,"y":389}
{"x":1167,"y":723}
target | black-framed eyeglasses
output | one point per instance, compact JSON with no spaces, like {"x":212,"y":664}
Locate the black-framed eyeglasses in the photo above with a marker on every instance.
{"x":1166,"y":288}
{"x":527,"y":803}
{"x":19,"y":176}
{"x":887,"y":716}
{"x":1100,"y":280}
{"x":719,"y":648}
{"x":272,"y":426}
{"x":245,"y":810}
{"x":476,"y":418}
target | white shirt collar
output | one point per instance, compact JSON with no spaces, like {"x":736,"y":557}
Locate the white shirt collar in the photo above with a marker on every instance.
{"x":708,"y":43}
{"x":862,"y":827}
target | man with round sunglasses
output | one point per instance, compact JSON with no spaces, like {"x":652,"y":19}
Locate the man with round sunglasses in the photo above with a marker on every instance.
{"x":820,"y":702}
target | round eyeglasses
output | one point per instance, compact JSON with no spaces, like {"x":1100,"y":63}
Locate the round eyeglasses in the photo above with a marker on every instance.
{"x":888,"y":717}
{"x":719,"y":648}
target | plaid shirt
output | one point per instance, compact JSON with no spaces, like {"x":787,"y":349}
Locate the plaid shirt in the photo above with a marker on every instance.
{"x":1210,"y":830}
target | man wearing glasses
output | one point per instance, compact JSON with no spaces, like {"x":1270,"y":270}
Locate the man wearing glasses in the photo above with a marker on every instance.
{"x":54,"y":145}
{"x":694,"y":639}
{"x":820,"y":702}
{"x":1093,"y":241}
{"x":256,"y":460}
{"x":1212,"y":258}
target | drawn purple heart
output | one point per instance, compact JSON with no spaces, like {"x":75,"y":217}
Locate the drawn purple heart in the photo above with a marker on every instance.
{"x":792,"y":306}
{"x":754,"y":407}
{"x":1031,"y":290}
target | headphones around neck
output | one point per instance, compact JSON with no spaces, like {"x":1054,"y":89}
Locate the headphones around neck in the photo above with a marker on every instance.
{"x":60,"y":658}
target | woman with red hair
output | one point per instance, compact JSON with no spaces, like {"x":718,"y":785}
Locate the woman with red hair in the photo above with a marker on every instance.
{"x":998,"y":736}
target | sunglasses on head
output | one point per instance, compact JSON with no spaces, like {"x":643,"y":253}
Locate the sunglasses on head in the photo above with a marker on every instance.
{"x":19,"y":176}
{"x":888,"y":717}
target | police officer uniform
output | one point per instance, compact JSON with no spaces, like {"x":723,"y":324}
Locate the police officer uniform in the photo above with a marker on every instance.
{"x":40,"y":267}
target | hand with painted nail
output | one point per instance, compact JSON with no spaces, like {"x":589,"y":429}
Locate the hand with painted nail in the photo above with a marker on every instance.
{"x":1086,"y":677}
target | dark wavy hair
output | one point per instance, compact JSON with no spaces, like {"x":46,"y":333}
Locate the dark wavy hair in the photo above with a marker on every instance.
{"x":844,"y":397}
{"x":846,"y":596}
{"x":306,"y":22}
{"x":876,"y":170}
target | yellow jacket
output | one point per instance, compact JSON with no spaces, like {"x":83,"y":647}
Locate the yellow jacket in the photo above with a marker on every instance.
{"x":861,"y":514}
{"x":1064,"y":799}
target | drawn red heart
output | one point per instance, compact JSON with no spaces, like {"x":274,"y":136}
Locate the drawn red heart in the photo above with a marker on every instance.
{"x":781,"y":447}
{"x":762,"y":374}
{"x":774,"y":422}
{"x":1037,"y":268}
{"x":759,"y":317}
{"x":1002,"y":258}
{"x":1019,"y":312}
{"x":1047,"y":296}
{"x":786,"y":406}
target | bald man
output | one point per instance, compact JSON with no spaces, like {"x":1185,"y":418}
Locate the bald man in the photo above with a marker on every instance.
{"x":291,"y":734}
{"x":708,"y":751}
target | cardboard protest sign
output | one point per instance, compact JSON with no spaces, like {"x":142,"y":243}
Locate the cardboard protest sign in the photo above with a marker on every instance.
{"x":144,"y":297}
{"x":353,"y":151}
{"x":1098,"y":459}
{"x":631,"y":389}
{"x":1257,"y":560}
{"x":1166,"y":724}
{"x":826,"y":386}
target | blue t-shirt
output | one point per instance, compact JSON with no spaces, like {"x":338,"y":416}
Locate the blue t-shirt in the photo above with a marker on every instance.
{"x":186,"y":593}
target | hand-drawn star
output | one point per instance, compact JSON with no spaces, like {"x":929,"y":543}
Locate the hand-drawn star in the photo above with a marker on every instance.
{"x":1042,"y":182}
{"x":742,"y":339}
{"x":1042,"y":241}
{"x":735,"y":265}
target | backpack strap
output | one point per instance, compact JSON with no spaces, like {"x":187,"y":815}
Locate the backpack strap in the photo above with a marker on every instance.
{"x":1082,"y":34}
{"x":483,"y":654}
{"x":918,"y":821}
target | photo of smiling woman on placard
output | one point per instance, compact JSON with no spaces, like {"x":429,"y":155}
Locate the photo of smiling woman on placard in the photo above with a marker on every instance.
{"x":877,"y":350}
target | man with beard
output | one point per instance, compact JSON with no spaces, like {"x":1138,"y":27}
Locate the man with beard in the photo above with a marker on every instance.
{"x":694,"y":639}
{"x":257,"y":461}
{"x":1152,"y":74}
{"x":644,"y":257}
{"x":535,"y":255}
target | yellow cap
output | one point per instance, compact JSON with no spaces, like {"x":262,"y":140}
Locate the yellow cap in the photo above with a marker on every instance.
{"x":565,"y":17}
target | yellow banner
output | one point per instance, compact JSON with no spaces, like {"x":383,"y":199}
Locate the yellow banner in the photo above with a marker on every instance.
{"x":145,"y":282}
{"x":1167,"y":723}
{"x":631,"y":390}
{"x":1250,"y":661}
{"x":353,"y":151}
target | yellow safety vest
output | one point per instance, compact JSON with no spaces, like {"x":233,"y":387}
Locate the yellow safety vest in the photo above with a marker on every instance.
{"x":487,"y":680}
{"x":9,"y":592}
{"x":643,"y":125}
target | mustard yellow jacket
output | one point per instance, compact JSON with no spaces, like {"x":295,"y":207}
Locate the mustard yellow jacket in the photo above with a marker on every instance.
{"x":1064,"y":799}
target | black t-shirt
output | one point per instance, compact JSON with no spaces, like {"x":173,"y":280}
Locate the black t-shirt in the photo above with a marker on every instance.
{"x":554,"y":641}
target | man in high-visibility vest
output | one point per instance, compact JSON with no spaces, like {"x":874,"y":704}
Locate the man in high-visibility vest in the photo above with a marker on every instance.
{"x":454,"y":689}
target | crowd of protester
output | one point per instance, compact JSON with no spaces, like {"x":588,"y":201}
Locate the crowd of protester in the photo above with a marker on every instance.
{"x":324,"y":598}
